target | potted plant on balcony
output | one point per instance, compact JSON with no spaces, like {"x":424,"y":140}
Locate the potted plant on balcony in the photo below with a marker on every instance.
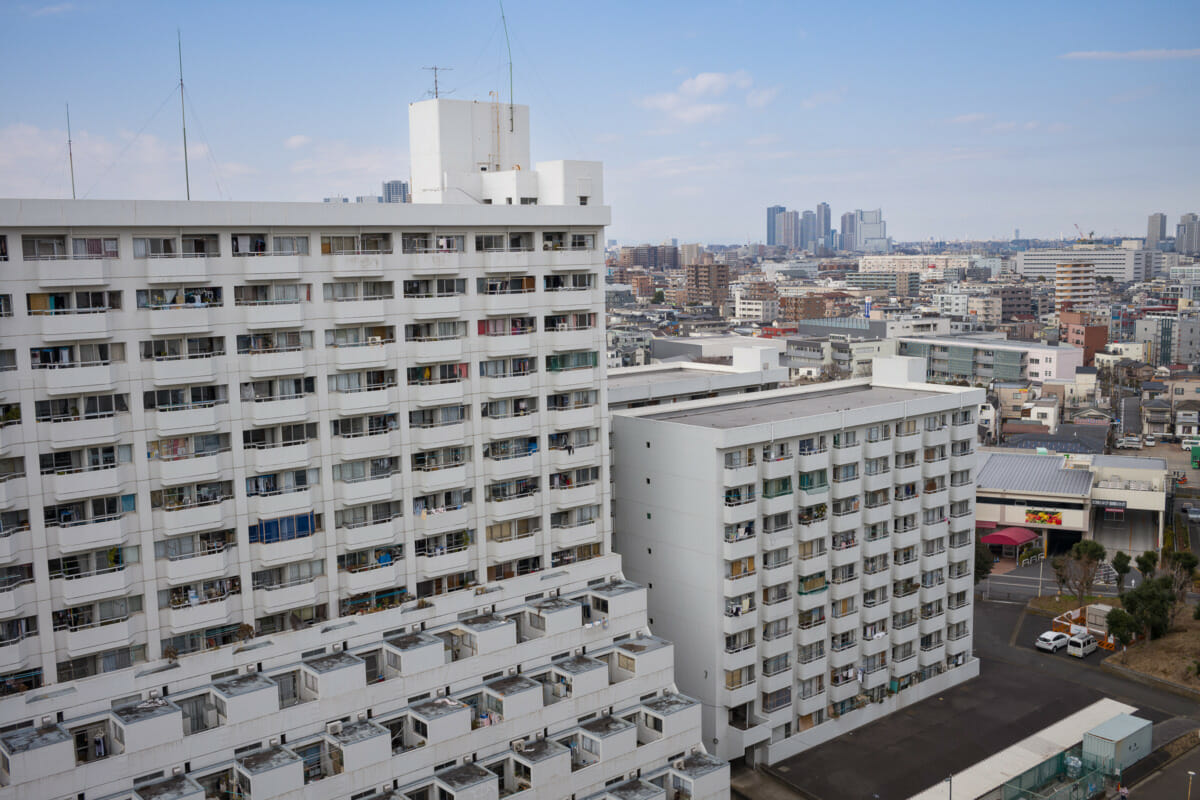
{"x":170,"y":654}
{"x":245,"y":632}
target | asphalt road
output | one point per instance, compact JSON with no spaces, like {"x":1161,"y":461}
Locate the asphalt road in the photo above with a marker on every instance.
{"x":1020,"y":690}
{"x":1172,"y":781}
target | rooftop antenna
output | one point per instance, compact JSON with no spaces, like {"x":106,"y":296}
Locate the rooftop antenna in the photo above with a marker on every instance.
{"x":70,"y":154}
{"x":508,"y":44}
{"x":187,"y":180}
{"x":435,"y":69}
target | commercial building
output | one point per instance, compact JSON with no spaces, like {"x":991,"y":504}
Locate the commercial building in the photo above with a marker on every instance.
{"x":896,"y":284}
{"x":395,"y":192}
{"x":787,"y":229}
{"x":981,"y":360}
{"x":811,"y":550}
{"x":308,"y":500}
{"x":1187,"y":235}
{"x":1171,"y":337}
{"x":912,"y":264}
{"x":1120,"y":501}
{"x":870,"y":232}
{"x":849,"y":232}
{"x":1121,"y":264}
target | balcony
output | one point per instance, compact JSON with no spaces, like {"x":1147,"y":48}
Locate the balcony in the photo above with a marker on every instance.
{"x":282,"y":503}
{"x":180,"y":319}
{"x":576,"y":495}
{"x":375,"y":577}
{"x":935,"y":467}
{"x":442,"y":519}
{"x":519,"y":505}
{"x":18,"y":597}
{"x":280,"y":361}
{"x":81,"y":535}
{"x":906,"y":474}
{"x":284,"y":596}
{"x":962,"y":461}
{"x":437,"y":394}
{"x":433,"y":351}
{"x":65,"y":272}
{"x":501,"y":551}
{"x":938,"y":436}
{"x":847,"y":454}
{"x":366,"y":355}
{"x":347,"y":312}
{"x":79,"y":589}
{"x":181,"y":570}
{"x":778,"y":504}
{"x":15,"y":652}
{"x":176,"y":270}
{"x":98,"y":636}
{"x":189,"y":519}
{"x":371,"y":399}
{"x":520,"y":385}
{"x":205,"y":613}
{"x":360,"y":264}
{"x":444,"y":562}
{"x":874,"y":482}
{"x":562,"y":538}
{"x":846,"y":521}
{"x":197,"y":469}
{"x":77,"y":379}
{"x":810,"y":460}
{"x":69,"y":484}
{"x":436,"y":480}
{"x":359,"y":535}
{"x":177,"y":371}
{"x":841,"y":555}
{"x":273,"y":411}
{"x":571,"y":379}
{"x":440,"y":435}
{"x":268,"y":459}
{"x":267,"y":315}
{"x":72,"y":326}
{"x":583,"y":417}
{"x":372,"y":490}
{"x":877,"y":449}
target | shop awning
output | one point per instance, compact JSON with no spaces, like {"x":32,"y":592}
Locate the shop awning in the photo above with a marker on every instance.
{"x":1010,"y":536}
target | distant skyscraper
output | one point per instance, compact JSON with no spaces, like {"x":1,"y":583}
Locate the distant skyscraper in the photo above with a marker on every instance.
{"x":787,"y":229}
{"x":1156,"y":230}
{"x":395,"y":192}
{"x":1187,"y":235}
{"x":849,"y":235}
{"x":870,"y":232}
{"x":823,"y":221}
{"x":808,"y":229}
{"x":772,"y":213}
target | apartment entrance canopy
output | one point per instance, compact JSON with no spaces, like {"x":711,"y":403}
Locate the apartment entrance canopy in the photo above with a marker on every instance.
{"x":1010,"y":536}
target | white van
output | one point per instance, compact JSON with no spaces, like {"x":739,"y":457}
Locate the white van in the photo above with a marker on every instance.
{"x":1081,"y":644}
{"x":1188,"y":443}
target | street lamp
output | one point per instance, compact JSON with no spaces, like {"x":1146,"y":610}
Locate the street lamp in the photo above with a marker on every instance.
{"x":950,"y":786}
{"x":1191,"y":774}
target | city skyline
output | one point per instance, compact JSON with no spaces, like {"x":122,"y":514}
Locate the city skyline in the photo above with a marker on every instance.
{"x":908,"y":114}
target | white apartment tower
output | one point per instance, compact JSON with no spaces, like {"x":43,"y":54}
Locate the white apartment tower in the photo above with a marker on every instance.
{"x":810,"y":550}
{"x":312,"y":500}
{"x":1074,"y":285}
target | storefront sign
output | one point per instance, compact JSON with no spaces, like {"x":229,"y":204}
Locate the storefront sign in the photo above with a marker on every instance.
{"x":1034,"y":517}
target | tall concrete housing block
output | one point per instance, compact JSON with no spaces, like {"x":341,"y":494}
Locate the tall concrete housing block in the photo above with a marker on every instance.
{"x":312,"y":500}
{"x":810,"y":551}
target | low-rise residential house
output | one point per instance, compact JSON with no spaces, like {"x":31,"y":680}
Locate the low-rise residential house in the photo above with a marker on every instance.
{"x":1187,"y":418}
{"x":1011,"y":397}
{"x":1156,"y":417}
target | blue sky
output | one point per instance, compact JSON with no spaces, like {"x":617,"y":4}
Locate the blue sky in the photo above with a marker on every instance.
{"x":958,"y":119}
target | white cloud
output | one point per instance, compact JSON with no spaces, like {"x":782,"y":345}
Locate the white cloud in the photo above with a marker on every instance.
{"x":969,"y":119}
{"x":1004,"y":126}
{"x":1131,"y":55}
{"x":765,"y":139}
{"x":759,"y":98}
{"x":823,"y":98}
{"x":49,"y":11}
{"x":296,"y":142}
{"x":1031,"y":125}
{"x":699,"y":98}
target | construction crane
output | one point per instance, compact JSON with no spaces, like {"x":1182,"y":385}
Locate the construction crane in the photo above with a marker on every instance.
{"x":1080,"y":232}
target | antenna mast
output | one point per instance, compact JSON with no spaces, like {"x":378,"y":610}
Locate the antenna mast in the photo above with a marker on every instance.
{"x":187,"y":180}
{"x":435,"y":69}
{"x":508,"y":44}
{"x":70,"y":154}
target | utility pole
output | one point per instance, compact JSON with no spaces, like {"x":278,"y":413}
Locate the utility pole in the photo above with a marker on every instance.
{"x":435,"y":69}
{"x":70,"y":153}
{"x":187,"y":180}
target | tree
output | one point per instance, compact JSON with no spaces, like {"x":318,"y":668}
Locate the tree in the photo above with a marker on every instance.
{"x":983,"y":561}
{"x":1121,"y":564}
{"x":659,"y":296}
{"x":1181,"y":571}
{"x":1082,"y":565}
{"x":1059,"y":564}
{"x":1150,"y":606}
{"x":1121,"y":625}
{"x":1147,"y":564}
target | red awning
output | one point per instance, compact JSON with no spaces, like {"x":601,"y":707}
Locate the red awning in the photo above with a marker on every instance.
{"x":986,"y":524}
{"x":1010,"y":536}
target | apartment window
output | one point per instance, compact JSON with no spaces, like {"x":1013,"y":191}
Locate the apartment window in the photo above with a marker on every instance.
{"x":776,"y":664}
{"x":773,"y":701}
{"x":291,"y":245}
{"x":155,"y":247}
{"x":94,"y":247}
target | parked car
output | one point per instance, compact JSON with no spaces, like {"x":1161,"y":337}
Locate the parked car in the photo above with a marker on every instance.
{"x":1053,"y":641}
{"x":1188,"y":442}
{"x":1149,"y":440}
{"x":1081,"y":645}
{"x":1129,"y":443}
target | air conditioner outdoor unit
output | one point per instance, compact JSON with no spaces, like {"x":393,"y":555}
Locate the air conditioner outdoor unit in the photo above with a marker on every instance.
{"x":337,"y":647}
{"x":273,"y":741}
{"x":176,"y":770}
{"x":154,"y":694}
{"x":362,"y":716}
{"x":519,"y":746}
{"x":441,"y":693}
{"x":677,"y":763}
{"x":47,"y":722}
{"x":333,"y":728}
{"x":251,"y":668}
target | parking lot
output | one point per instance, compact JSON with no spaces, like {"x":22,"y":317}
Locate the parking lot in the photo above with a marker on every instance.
{"x":1020,"y":690}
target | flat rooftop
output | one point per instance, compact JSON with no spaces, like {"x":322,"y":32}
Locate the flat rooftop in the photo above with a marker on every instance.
{"x":744,"y":412}
{"x":1027,"y":472}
